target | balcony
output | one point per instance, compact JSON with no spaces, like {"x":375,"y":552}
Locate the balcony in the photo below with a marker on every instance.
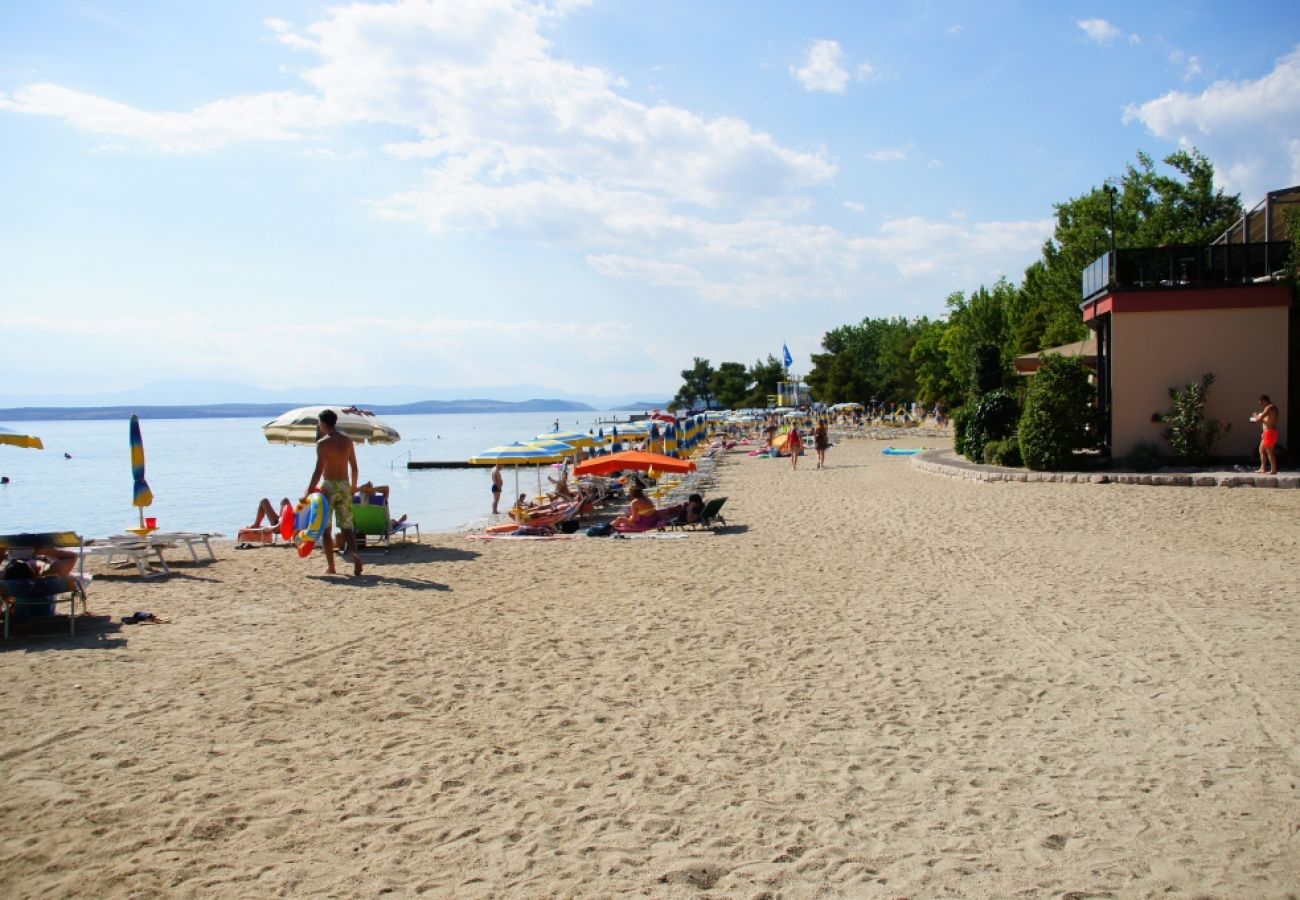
{"x":1182,"y":267}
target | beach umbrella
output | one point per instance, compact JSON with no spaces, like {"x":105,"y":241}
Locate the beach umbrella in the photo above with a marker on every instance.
{"x":517,"y":455}
{"x":141,"y":495}
{"x":302,"y":426}
{"x":670,"y":440}
{"x":633,"y":459}
{"x":572,"y":438}
{"x":29,"y":441}
{"x":615,"y":445}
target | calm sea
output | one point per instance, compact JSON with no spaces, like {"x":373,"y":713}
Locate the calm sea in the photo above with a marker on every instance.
{"x":208,"y":474}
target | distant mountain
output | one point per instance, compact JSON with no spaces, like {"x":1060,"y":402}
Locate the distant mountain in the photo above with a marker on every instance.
{"x":195,"y":393}
{"x":272,"y":410}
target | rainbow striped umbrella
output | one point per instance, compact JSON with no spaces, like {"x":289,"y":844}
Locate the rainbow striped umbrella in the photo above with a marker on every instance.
{"x":141,"y":496}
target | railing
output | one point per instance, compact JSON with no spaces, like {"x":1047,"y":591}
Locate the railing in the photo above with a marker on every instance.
{"x":1185,"y":266}
{"x":392,"y":463}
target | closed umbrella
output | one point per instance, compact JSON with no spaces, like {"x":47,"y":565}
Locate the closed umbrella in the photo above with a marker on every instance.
{"x":141,"y":495}
{"x":302,"y":426}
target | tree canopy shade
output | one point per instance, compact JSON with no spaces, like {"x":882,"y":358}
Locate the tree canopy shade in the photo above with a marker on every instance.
{"x":899,"y":360}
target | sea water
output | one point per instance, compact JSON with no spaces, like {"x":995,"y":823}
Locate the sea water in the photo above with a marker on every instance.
{"x":208,"y":474}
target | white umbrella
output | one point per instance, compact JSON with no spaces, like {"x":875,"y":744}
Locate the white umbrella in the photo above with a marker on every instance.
{"x":301,"y":426}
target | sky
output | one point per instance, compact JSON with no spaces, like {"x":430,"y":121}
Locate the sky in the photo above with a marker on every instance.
{"x":581,"y":195}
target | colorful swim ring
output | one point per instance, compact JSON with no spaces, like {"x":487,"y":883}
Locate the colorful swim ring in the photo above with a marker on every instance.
{"x":310,"y":518}
{"x":288,"y":521}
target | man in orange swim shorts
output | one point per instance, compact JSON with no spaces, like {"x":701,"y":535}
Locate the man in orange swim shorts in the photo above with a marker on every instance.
{"x":1267,"y":418}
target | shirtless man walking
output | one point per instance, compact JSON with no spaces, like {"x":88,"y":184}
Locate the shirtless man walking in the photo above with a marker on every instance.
{"x":1267,"y":418}
{"x":336,"y":473}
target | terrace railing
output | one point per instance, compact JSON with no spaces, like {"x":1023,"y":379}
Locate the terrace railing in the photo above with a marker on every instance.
{"x":1185,"y":266}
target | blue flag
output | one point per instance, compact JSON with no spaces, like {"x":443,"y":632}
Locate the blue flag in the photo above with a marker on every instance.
{"x":788,"y":358}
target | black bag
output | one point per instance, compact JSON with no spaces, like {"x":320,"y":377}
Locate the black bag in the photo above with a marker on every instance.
{"x":604,"y":529}
{"x":568,"y":526}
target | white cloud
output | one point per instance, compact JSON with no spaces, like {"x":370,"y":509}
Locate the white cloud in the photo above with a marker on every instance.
{"x":1192,"y":69}
{"x":854,"y":207}
{"x":1101,"y":32}
{"x":1246,"y":127}
{"x":824,"y":69}
{"x":888,"y":154}
{"x":515,"y":141}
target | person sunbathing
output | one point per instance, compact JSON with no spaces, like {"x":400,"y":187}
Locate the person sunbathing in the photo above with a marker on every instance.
{"x":37,"y":563}
{"x":270,"y":513}
{"x":691,"y":512}
{"x":640,"y":513}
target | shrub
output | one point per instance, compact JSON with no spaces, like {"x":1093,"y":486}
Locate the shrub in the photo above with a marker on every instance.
{"x":1005,"y":452}
{"x":1145,"y":457}
{"x":960,"y":417}
{"x":1190,"y":434}
{"x":992,"y":418}
{"x":1058,"y":411}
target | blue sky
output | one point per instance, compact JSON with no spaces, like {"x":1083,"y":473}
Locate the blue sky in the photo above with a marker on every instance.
{"x":572,"y":194}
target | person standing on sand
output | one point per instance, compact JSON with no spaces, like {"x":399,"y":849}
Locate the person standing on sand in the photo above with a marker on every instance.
{"x":497,"y":485}
{"x":821,"y":442}
{"x":336,"y":473}
{"x":1267,"y":418}
{"x":794,"y":444}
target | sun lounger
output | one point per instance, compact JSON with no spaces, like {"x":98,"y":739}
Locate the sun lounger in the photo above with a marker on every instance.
{"x":189,"y":538}
{"x":133,"y":550}
{"x":43,"y":593}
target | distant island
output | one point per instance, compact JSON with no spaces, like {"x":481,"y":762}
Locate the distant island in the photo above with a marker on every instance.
{"x":272,"y":410}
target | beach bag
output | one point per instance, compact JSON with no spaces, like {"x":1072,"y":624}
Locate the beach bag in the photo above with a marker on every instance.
{"x":569,"y":526}
{"x":604,"y":529}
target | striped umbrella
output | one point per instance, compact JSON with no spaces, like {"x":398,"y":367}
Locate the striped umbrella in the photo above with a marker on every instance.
{"x":141,"y":496}
{"x":670,"y":440}
{"x":516,"y":455}
{"x":572,"y":438}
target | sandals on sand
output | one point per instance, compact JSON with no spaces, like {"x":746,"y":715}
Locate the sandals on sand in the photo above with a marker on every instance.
{"x":144,"y":618}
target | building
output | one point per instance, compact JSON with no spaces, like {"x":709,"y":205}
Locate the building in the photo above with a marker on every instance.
{"x":1164,"y":316}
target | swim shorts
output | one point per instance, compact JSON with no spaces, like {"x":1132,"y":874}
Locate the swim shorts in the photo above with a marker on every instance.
{"x":1269,"y":438}
{"x":496,"y":488}
{"x":339,"y":493}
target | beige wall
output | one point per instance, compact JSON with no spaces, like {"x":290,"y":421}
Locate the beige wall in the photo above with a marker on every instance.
{"x":1246,"y":349}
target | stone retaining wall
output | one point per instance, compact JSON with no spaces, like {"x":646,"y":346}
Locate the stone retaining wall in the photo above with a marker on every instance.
{"x":946,"y":462}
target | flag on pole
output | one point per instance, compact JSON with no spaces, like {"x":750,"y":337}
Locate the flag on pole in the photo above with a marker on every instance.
{"x":788,"y":358}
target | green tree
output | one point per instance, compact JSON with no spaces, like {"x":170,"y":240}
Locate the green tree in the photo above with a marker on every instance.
{"x":934,"y":379}
{"x":1151,"y":208}
{"x":697,"y":385}
{"x":764,"y":376}
{"x":980,"y":320}
{"x":730,"y":385}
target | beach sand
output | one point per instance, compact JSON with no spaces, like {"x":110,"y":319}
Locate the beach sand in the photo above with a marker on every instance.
{"x":876,"y":682}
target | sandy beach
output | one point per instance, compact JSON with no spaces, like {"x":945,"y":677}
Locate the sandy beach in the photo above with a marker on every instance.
{"x":875,"y":682}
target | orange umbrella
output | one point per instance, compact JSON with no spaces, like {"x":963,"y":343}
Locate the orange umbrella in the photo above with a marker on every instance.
{"x":633,"y":459}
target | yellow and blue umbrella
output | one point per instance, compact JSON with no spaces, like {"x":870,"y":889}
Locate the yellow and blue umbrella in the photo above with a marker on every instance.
{"x":141,"y":496}
{"x":517,"y":455}
{"x":572,"y":438}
